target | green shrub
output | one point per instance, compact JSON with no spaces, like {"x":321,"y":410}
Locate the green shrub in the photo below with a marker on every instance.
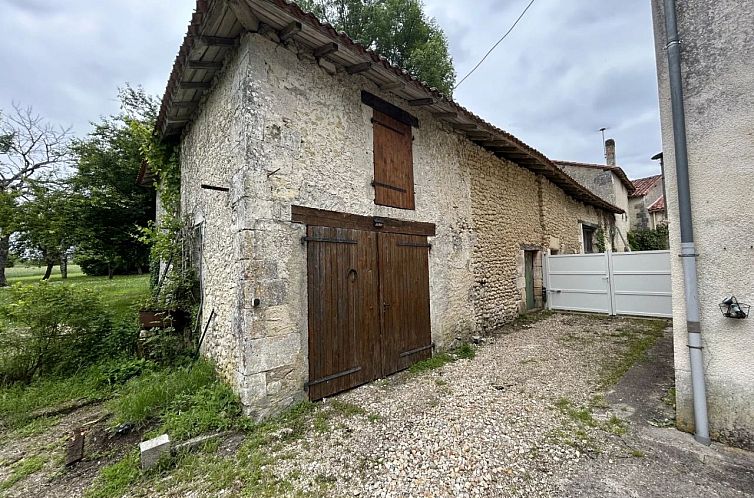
{"x":50,"y":329}
{"x":647,"y":239}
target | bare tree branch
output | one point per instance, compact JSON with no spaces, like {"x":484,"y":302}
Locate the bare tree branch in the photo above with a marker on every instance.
{"x":32,"y":149}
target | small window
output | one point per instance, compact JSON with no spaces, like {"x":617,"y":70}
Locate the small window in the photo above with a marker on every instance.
{"x":393,"y":162}
{"x":588,"y":238}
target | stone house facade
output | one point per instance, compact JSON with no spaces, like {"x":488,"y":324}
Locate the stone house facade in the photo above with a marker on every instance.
{"x":610,"y":182}
{"x":649,"y":194}
{"x":717,"y":81}
{"x":282,"y":124}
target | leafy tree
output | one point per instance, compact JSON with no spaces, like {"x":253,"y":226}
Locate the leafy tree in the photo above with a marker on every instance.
{"x":111,"y":208}
{"x":647,"y":239}
{"x":46,"y":227}
{"x":398,"y":30}
{"x":32,"y":152}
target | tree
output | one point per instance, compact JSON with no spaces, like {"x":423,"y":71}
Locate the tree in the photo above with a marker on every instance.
{"x":398,"y":30}
{"x":32,"y":152}
{"x":110,"y":207}
{"x":46,"y":227}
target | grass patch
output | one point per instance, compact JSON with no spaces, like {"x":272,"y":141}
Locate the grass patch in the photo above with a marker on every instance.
{"x":187,"y":401}
{"x":639,"y":337}
{"x":206,"y":473}
{"x":22,"y":470}
{"x":464,"y":352}
{"x":637,"y":454}
{"x":121,"y":294}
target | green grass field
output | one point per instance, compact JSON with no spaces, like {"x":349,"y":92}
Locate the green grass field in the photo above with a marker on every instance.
{"x":122,"y":294}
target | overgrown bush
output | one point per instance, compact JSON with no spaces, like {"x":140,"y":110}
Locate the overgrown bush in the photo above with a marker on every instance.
{"x":647,"y":239}
{"x":55,"y":330}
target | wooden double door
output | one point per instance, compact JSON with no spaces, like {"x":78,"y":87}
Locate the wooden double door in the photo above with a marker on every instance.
{"x":368,"y":306}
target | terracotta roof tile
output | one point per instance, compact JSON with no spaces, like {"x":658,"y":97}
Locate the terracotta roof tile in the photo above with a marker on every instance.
{"x":644,"y":185}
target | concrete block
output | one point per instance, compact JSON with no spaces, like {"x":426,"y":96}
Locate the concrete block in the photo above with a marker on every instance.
{"x":153,"y":450}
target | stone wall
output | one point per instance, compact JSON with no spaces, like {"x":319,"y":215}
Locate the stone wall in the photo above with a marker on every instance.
{"x":608,"y":186}
{"x":514,"y":210}
{"x":281,"y":129}
{"x":718,"y":82}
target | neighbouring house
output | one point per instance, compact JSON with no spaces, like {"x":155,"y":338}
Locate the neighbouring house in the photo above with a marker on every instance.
{"x":368,"y":220}
{"x":717,"y":80}
{"x":646,"y":204}
{"x":610,"y":182}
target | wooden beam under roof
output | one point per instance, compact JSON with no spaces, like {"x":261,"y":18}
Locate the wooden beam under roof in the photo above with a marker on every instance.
{"x":185,"y":103}
{"x":359,"y":68}
{"x":242,"y":12}
{"x":204,"y":65}
{"x":291,"y":29}
{"x":215,"y":41}
{"x":464,"y":126}
{"x":395,"y":85}
{"x":421,"y":102}
{"x":195,"y":85}
{"x":445,"y":115}
{"x":326,"y":49}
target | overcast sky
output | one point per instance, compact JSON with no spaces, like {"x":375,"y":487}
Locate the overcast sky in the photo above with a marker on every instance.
{"x":567,"y":70}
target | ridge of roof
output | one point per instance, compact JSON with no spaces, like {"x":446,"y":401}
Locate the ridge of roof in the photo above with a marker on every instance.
{"x":605,"y":167}
{"x":644,"y":185}
{"x":511,"y":147}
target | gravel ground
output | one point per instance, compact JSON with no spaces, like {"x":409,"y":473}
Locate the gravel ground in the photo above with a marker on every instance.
{"x":526,"y":417}
{"x":491,"y":426}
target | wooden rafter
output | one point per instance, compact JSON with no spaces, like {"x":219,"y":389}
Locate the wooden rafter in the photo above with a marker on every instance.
{"x":326,"y":49}
{"x":291,"y":29}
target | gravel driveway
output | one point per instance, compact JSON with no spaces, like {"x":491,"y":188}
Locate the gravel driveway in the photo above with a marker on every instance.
{"x":521,"y":419}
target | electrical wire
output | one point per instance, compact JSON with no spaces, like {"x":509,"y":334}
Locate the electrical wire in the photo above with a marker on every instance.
{"x":495,"y":45}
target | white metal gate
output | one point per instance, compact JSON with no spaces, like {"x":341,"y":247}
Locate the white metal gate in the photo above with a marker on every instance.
{"x":626,"y":283}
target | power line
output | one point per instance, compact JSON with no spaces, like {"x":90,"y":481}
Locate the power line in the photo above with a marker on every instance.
{"x":495,"y":45}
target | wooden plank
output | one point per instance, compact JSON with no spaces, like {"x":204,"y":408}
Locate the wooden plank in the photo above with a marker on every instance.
{"x":464,"y":126}
{"x":343,"y":316}
{"x":195,"y":85}
{"x":393,"y":163}
{"x":421,"y":102}
{"x":395,"y":85}
{"x":290,"y":30}
{"x":326,"y":49}
{"x":215,"y":41}
{"x":321,"y":217}
{"x":243,"y":13}
{"x":359,"y":68}
{"x":386,"y":107}
{"x":204,"y":65}
{"x":445,"y":115}
{"x":75,"y":449}
{"x":404,"y":296}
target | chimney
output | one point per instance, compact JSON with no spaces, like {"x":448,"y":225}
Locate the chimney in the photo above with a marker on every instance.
{"x":610,"y":152}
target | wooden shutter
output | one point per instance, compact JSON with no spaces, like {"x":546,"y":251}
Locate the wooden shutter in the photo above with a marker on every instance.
{"x":404,"y":292}
{"x":393,"y":162}
{"x":344,"y":334}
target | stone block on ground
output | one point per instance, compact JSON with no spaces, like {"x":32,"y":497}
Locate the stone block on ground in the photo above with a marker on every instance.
{"x":153,"y":450}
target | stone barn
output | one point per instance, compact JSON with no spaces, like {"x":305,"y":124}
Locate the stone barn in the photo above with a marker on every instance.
{"x":352,"y":220}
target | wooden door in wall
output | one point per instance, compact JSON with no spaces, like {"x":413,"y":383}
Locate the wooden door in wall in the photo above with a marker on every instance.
{"x":344,"y":319}
{"x":404,"y":295}
{"x":368,"y":296}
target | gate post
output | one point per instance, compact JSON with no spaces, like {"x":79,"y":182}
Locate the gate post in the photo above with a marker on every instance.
{"x":610,"y":282}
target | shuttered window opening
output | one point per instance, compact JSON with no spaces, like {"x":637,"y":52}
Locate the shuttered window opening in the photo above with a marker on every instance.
{"x":393,"y":162}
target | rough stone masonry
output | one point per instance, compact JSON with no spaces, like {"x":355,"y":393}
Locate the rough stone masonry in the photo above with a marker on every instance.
{"x":280,"y":129}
